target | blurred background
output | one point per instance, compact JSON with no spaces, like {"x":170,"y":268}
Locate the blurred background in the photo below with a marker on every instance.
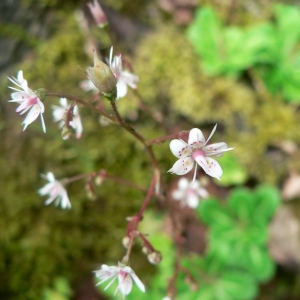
{"x":234,"y":63}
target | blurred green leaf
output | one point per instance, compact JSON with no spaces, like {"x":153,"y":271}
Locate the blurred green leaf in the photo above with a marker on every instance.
{"x":205,"y":35}
{"x":287,"y":18}
{"x":242,"y":203}
{"x":237,"y":285}
{"x":267,"y":201}
{"x":233,"y":172}
{"x":211,"y":213}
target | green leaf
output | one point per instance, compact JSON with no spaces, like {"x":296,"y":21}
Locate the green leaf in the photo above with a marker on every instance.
{"x":234,"y":173}
{"x":287,"y":17}
{"x":238,"y":285}
{"x":255,"y":260}
{"x":205,"y":33}
{"x":213,"y":214}
{"x":242,"y":203}
{"x":267,"y":201}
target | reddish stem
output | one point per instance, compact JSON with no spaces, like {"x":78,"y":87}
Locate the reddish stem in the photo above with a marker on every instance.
{"x":167,"y":137}
{"x":76,"y":99}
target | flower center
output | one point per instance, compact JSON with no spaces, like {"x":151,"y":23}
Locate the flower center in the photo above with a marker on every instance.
{"x":197,"y":153}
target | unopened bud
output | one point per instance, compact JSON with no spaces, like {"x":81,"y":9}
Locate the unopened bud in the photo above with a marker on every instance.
{"x":146,"y":250}
{"x":154,"y":258}
{"x":98,"y":180}
{"x":90,"y":191}
{"x":66,"y":133}
{"x":103,"y":78}
{"x":104,"y":121}
{"x":126,"y":241}
{"x":97,"y":13}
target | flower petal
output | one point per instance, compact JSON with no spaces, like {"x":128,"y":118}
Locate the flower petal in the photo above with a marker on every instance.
{"x":121,"y":89}
{"x":32,"y":115}
{"x":125,"y":283}
{"x":183,"y":183}
{"x":214,"y":168}
{"x":130,"y":79}
{"x":192,"y":200}
{"x":182,"y":166}
{"x":138,"y":282}
{"x":179,"y":148}
{"x":196,"y":136}
{"x":202,"y":192}
{"x":216,"y":149}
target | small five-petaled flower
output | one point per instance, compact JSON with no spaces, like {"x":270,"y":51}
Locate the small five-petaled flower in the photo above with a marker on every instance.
{"x":197,"y":150}
{"x":28,"y":100}
{"x":59,"y":114}
{"x":124,"y":78}
{"x":56,"y":192}
{"x":124,"y":274}
{"x":189,"y":192}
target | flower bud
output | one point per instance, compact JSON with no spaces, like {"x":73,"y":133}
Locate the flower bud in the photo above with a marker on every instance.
{"x":90,"y":191}
{"x":146,"y":250}
{"x":97,"y":13}
{"x":126,"y":241}
{"x":154,"y":258}
{"x":98,"y":180}
{"x":66,"y":133}
{"x":103,"y":78}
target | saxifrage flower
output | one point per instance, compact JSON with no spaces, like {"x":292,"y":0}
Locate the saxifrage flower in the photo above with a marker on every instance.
{"x":189,"y":192}
{"x":59,"y":114}
{"x":28,"y":100}
{"x":124,"y":78}
{"x":56,"y":192}
{"x":197,"y":150}
{"x":124,"y":274}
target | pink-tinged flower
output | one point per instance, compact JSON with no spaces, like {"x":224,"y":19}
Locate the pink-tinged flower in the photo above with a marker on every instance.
{"x":56,"y":192}
{"x":124,"y":274}
{"x":197,"y":150}
{"x":124,"y":78}
{"x":28,"y":100}
{"x":59,"y":116}
{"x":189,"y":192}
{"x":97,"y":13}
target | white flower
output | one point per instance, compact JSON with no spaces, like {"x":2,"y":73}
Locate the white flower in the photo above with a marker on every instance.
{"x":166,"y":298}
{"x":56,"y":192}
{"x":189,"y":193}
{"x":197,"y":150}
{"x":124,"y":274}
{"x":124,"y":78}
{"x":28,"y":100}
{"x":59,"y":114}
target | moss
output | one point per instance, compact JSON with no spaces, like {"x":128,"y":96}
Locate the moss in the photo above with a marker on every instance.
{"x":172,"y":80}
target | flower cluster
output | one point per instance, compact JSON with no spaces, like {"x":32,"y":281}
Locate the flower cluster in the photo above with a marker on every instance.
{"x":112,"y":81}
